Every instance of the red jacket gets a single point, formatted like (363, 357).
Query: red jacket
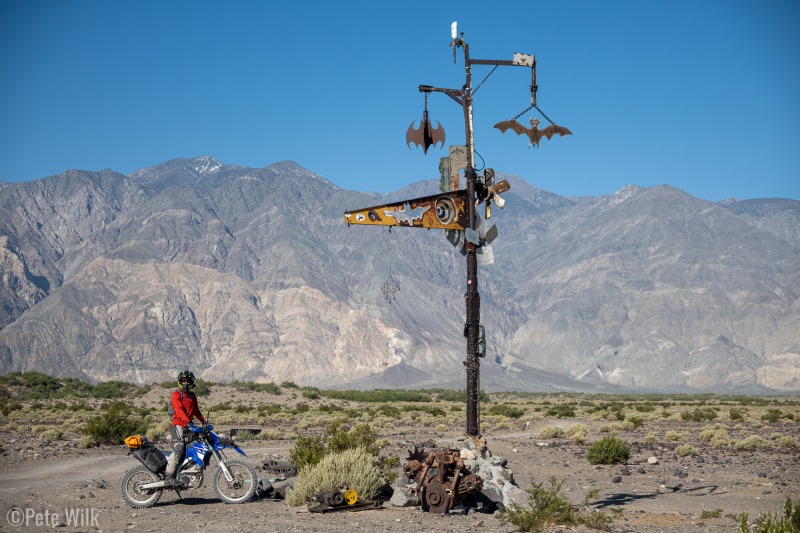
(185, 409)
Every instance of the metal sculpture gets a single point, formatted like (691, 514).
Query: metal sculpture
(533, 133)
(425, 136)
(442, 479)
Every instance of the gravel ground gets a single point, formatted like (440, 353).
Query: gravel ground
(42, 483)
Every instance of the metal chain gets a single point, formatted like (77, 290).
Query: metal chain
(537, 109)
(542, 112)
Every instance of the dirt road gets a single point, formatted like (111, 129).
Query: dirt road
(64, 489)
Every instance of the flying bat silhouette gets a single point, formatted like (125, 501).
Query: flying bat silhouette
(425, 136)
(407, 214)
(533, 133)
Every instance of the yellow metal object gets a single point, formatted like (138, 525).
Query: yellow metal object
(350, 497)
(443, 211)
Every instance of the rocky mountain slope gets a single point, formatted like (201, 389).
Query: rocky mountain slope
(243, 273)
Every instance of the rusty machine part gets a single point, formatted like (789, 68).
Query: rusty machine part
(441, 478)
(341, 499)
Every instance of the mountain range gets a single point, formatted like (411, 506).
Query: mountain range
(252, 274)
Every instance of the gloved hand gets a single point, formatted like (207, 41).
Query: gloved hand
(193, 428)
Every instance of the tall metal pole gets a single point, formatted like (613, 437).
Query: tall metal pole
(473, 298)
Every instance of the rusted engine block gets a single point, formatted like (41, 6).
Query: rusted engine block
(441, 479)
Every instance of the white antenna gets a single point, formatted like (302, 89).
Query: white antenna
(454, 30)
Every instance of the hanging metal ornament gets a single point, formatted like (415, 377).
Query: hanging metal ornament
(425, 136)
(390, 288)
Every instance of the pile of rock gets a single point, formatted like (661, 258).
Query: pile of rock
(499, 489)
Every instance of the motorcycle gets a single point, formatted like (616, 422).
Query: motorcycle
(234, 480)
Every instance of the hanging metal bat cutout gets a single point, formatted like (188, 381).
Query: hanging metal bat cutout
(425, 136)
(533, 133)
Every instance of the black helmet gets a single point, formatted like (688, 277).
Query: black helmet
(186, 375)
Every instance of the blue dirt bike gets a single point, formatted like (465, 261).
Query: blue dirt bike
(234, 480)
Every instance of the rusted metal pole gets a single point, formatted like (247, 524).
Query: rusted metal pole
(472, 297)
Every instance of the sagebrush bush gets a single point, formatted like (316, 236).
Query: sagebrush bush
(608, 450)
(578, 433)
(552, 432)
(686, 450)
(753, 442)
(674, 436)
(356, 468)
(308, 451)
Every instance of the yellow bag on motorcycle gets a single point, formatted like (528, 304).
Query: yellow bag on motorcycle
(134, 442)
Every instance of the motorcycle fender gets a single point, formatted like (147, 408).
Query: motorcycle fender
(239, 450)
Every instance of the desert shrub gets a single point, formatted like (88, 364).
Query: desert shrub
(116, 422)
(637, 421)
(608, 450)
(651, 438)
(699, 414)
(552, 432)
(312, 393)
(686, 450)
(772, 415)
(674, 436)
(561, 411)
(772, 523)
(357, 468)
(289, 385)
(49, 435)
(270, 387)
(737, 414)
(578, 433)
(715, 513)
(753, 442)
(383, 395)
(309, 451)
(269, 409)
(301, 408)
(111, 389)
(503, 409)
(388, 410)
(158, 429)
(788, 441)
(548, 505)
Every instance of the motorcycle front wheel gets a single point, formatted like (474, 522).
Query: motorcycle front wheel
(244, 483)
(136, 496)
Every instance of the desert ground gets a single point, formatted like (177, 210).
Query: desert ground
(685, 472)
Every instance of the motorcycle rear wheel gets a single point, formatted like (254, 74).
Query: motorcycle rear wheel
(137, 497)
(243, 487)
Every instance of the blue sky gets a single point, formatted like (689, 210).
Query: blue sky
(703, 95)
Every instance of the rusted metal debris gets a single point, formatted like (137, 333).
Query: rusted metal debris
(342, 499)
(442, 479)
(279, 468)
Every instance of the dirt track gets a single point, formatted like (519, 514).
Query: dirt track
(43, 480)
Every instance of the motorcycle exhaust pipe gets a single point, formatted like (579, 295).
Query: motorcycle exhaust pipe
(155, 485)
(166, 483)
